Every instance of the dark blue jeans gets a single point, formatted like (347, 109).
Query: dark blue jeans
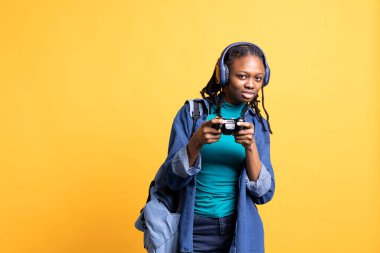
(213, 234)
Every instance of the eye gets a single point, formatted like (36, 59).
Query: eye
(242, 77)
(259, 78)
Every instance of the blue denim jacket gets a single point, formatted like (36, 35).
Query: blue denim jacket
(175, 184)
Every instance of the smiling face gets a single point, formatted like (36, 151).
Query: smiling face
(246, 77)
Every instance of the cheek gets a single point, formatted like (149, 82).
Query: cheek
(237, 84)
(230, 87)
(235, 89)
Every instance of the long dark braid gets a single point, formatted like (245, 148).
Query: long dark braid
(212, 90)
(219, 107)
(255, 105)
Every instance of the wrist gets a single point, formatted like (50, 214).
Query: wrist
(194, 146)
(250, 147)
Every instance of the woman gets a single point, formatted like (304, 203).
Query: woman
(215, 178)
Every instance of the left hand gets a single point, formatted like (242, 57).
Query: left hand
(246, 136)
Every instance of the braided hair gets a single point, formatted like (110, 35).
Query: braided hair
(213, 89)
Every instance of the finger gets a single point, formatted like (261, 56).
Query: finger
(216, 120)
(211, 136)
(244, 137)
(212, 140)
(239, 138)
(207, 129)
(244, 141)
(245, 124)
(211, 130)
(249, 131)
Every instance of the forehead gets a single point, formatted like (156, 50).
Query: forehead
(248, 63)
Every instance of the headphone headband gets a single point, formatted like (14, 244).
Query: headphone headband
(222, 71)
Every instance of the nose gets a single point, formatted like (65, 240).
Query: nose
(249, 84)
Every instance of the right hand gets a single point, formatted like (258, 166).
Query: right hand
(206, 134)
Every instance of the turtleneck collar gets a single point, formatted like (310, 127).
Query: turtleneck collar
(232, 107)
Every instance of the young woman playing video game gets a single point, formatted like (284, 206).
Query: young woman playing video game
(223, 156)
(219, 168)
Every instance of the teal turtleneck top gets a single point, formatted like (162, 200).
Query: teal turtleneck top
(216, 185)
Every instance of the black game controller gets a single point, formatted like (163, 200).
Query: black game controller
(229, 126)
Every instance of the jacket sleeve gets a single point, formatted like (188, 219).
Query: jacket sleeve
(263, 183)
(175, 172)
(263, 189)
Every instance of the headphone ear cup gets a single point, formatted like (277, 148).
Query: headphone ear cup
(267, 75)
(217, 73)
(222, 73)
(227, 74)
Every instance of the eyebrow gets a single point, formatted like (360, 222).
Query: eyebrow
(242, 71)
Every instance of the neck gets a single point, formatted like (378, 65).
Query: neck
(228, 99)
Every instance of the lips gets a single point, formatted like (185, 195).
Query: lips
(248, 94)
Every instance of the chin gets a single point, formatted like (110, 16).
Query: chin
(246, 100)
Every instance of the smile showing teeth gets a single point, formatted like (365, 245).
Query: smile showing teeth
(247, 95)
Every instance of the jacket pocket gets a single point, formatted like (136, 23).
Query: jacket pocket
(161, 235)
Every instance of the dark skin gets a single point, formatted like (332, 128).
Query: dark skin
(245, 81)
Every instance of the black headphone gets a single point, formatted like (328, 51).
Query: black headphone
(221, 69)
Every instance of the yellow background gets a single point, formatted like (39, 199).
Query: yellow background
(89, 89)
